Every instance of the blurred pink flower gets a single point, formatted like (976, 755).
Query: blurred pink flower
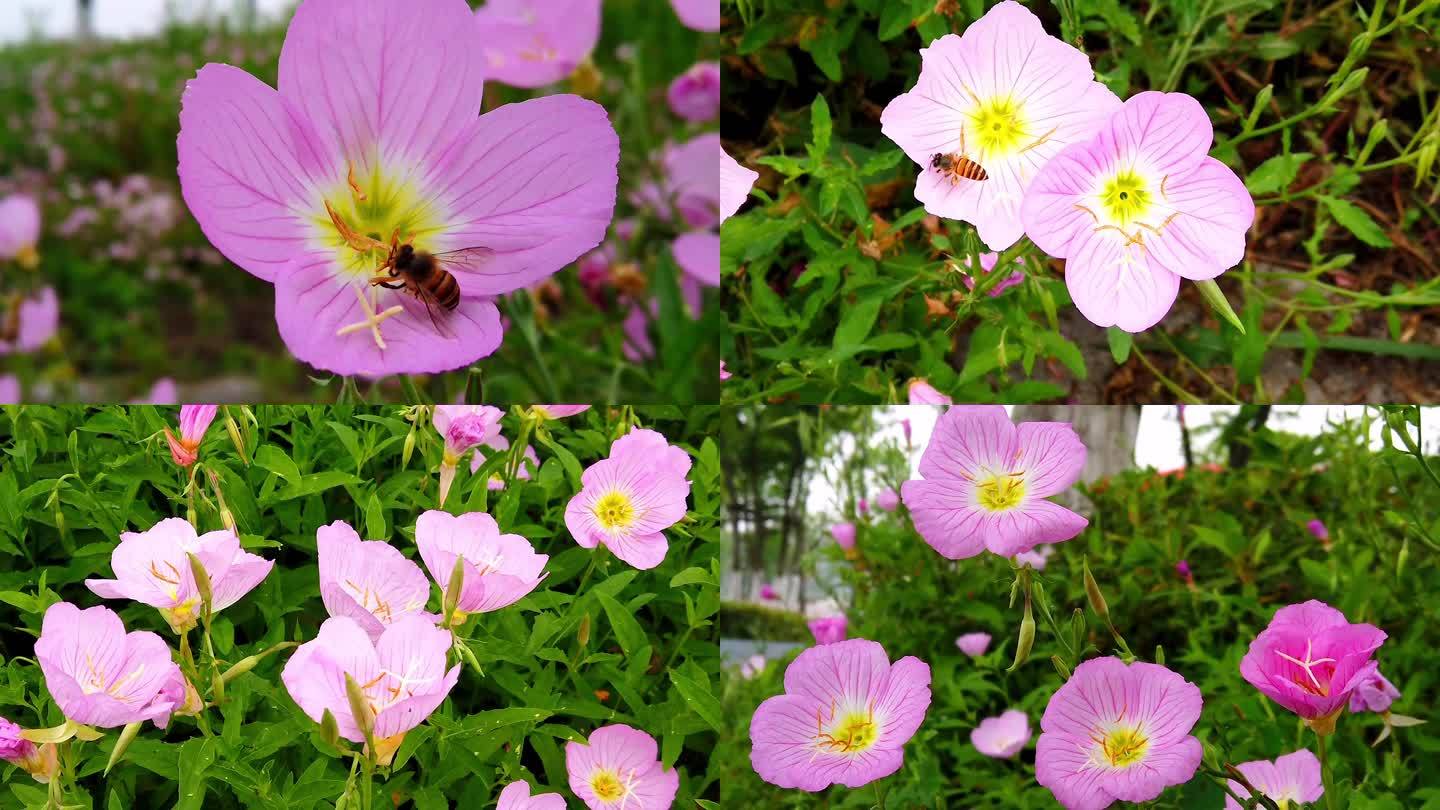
(862, 506)
(194, 421)
(1137, 208)
(987, 480)
(735, 184)
(402, 677)
(626, 501)
(1374, 694)
(905, 425)
(153, 567)
(19, 229)
(887, 499)
(1035, 558)
(1006, 95)
(10, 390)
(36, 320)
(695, 94)
(500, 569)
(619, 767)
(1002, 737)
(1317, 529)
(987, 263)
(516, 796)
(701, 15)
(752, 667)
(371, 581)
(724, 375)
(973, 644)
(923, 393)
(100, 675)
(532, 43)
(78, 220)
(767, 592)
(1118, 733)
(40, 761)
(466, 426)
(828, 629)
(163, 392)
(1310, 659)
(1291, 779)
(386, 134)
(844, 534)
(557, 411)
(844, 717)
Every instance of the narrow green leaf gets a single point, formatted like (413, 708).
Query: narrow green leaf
(1216, 299)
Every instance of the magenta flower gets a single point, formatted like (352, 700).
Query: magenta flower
(887, 500)
(620, 768)
(1316, 527)
(724, 375)
(402, 676)
(844, 718)
(466, 426)
(986, 481)
(862, 506)
(695, 94)
(752, 667)
(735, 184)
(1374, 694)
(163, 392)
(1117, 733)
(98, 674)
(41, 762)
(767, 592)
(701, 15)
(10, 390)
(828, 629)
(923, 393)
(987, 263)
(20, 230)
(1002, 737)
(532, 43)
(516, 796)
(500, 444)
(1294, 778)
(194, 421)
(36, 319)
(1310, 659)
(627, 500)
(153, 568)
(844, 534)
(370, 136)
(905, 425)
(1137, 208)
(500, 569)
(557, 411)
(1005, 95)
(973, 644)
(368, 581)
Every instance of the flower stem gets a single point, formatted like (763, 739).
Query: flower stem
(1325, 776)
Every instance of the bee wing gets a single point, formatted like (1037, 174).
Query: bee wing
(471, 259)
(437, 314)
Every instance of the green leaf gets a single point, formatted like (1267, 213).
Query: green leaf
(697, 696)
(627, 631)
(859, 319)
(1120, 343)
(196, 756)
(1213, 296)
(1355, 220)
(820, 128)
(1275, 174)
(690, 576)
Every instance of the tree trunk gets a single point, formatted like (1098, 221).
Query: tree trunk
(84, 20)
(1107, 431)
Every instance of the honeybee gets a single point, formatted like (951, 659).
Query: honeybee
(957, 167)
(10, 325)
(424, 276)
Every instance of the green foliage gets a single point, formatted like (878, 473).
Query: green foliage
(598, 642)
(746, 620)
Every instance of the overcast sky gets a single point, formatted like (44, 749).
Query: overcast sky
(113, 18)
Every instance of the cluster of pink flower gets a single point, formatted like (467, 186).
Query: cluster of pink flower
(380, 638)
(1116, 730)
(29, 317)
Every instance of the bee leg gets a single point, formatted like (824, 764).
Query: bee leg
(384, 281)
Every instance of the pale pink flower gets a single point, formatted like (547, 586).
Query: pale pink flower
(695, 94)
(368, 581)
(619, 767)
(19, 229)
(153, 568)
(1006, 95)
(37, 318)
(163, 392)
(100, 675)
(724, 375)
(1310, 659)
(887, 499)
(987, 480)
(923, 393)
(1374, 694)
(194, 421)
(973, 644)
(1035, 558)
(516, 796)
(844, 534)
(752, 667)
(532, 43)
(862, 506)
(500, 569)
(701, 15)
(735, 184)
(1137, 208)
(828, 629)
(463, 427)
(1002, 737)
(1294, 778)
(844, 718)
(10, 393)
(627, 500)
(40, 761)
(557, 411)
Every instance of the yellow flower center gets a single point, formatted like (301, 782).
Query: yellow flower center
(377, 206)
(614, 510)
(183, 616)
(1000, 492)
(855, 732)
(997, 127)
(27, 257)
(1124, 746)
(606, 785)
(1126, 198)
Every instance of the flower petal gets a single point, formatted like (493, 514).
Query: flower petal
(1160, 133)
(1051, 456)
(1113, 285)
(532, 43)
(1036, 521)
(944, 514)
(698, 254)
(1049, 212)
(1212, 212)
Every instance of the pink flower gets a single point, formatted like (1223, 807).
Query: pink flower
(153, 568)
(532, 43)
(887, 500)
(10, 390)
(1137, 208)
(1310, 659)
(368, 581)
(163, 392)
(627, 500)
(862, 506)
(98, 674)
(500, 444)
(844, 718)
(402, 676)
(973, 644)
(905, 425)
(1374, 694)
(844, 534)
(37, 319)
(724, 375)
(385, 133)
(19, 229)
(752, 667)
(987, 263)
(466, 426)
(1002, 737)
(1316, 527)
(1118, 733)
(41, 762)
(516, 796)
(500, 569)
(735, 184)
(695, 94)
(557, 411)
(1036, 558)
(701, 15)
(194, 421)
(986, 481)
(1007, 96)
(923, 393)
(1294, 778)
(767, 592)
(828, 629)
(620, 768)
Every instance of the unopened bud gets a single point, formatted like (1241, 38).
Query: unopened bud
(236, 437)
(1092, 592)
(447, 477)
(360, 707)
(202, 582)
(583, 636)
(453, 589)
(127, 736)
(1060, 667)
(1025, 641)
(329, 729)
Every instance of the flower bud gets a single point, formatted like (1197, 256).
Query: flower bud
(1092, 592)
(329, 729)
(447, 476)
(1026, 640)
(360, 707)
(583, 636)
(127, 736)
(453, 589)
(202, 583)
(408, 449)
(1060, 667)
(236, 437)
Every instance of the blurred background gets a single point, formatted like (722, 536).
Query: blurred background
(122, 297)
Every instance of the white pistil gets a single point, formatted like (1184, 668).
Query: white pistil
(372, 320)
(1308, 663)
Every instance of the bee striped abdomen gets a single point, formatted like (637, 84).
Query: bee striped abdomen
(970, 170)
(445, 289)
